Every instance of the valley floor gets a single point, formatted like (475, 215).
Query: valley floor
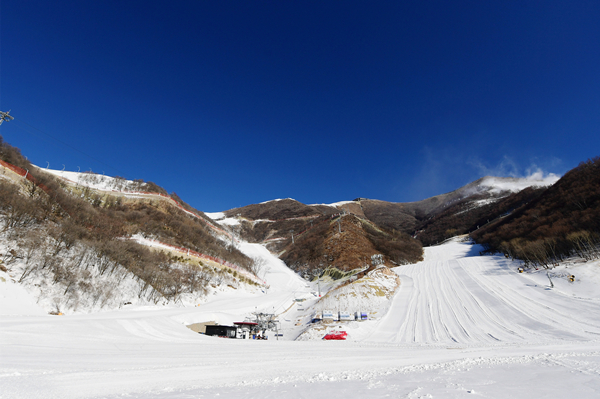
(460, 325)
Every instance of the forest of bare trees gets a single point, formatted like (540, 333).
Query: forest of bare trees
(348, 245)
(467, 215)
(71, 238)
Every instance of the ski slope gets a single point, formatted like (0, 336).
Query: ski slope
(460, 325)
(459, 297)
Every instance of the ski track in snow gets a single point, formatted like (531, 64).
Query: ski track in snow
(459, 325)
(481, 300)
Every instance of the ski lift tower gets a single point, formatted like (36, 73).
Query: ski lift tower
(267, 321)
(4, 116)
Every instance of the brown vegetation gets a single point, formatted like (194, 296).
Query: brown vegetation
(465, 216)
(392, 216)
(348, 245)
(280, 209)
(96, 223)
(563, 221)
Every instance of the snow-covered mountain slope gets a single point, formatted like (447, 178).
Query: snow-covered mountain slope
(97, 182)
(460, 324)
(92, 244)
(459, 297)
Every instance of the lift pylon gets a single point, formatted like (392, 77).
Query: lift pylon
(4, 116)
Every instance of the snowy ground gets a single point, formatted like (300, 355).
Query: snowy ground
(460, 325)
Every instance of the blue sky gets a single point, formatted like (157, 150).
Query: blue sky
(229, 103)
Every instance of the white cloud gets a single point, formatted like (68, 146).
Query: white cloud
(536, 174)
(508, 167)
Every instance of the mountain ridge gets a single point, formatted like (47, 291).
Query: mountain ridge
(310, 239)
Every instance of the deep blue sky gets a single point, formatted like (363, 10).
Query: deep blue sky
(229, 103)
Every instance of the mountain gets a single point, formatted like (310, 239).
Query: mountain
(68, 231)
(561, 221)
(312, 238)
(84, 242)
(345, 235)
(411, 217)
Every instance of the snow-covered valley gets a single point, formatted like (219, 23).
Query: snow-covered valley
(460, 324)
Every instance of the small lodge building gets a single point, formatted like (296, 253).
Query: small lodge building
(222, 331)
(240, 329)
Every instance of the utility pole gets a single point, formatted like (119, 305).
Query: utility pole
(4, 116)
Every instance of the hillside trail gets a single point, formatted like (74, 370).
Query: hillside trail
(283, 287)
(456, 297)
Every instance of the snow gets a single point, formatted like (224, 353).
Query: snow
(215, 215)
(37, 288)
(480, 203)
(98, 182)
(459, 325)
(585, 286)
(15, 300)
(336, 204)
(229, 222)
(277, 199)
(128, 188)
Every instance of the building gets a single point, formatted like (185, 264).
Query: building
(222, 331)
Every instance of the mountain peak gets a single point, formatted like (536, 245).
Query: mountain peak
(497, 185)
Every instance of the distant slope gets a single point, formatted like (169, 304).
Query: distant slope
(471, 213)
(311, 238)
(563, 220)
(374, 226)
(152, 214)
(280, 209)
(409, 217)
(347, 242)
